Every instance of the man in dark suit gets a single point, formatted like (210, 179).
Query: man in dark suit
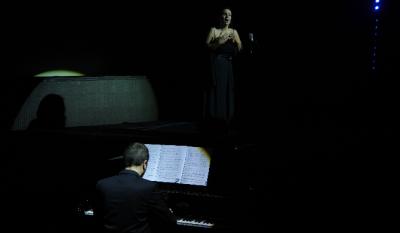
(128, 203)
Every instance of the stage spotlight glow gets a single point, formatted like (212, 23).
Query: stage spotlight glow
(54, 73)
(376, 8)
(377, 5)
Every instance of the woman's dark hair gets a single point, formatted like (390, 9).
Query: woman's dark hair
(219, 14)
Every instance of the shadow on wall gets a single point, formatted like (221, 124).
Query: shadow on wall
(90, 101)
(50, 113)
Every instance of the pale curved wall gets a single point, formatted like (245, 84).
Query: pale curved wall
(94, 100)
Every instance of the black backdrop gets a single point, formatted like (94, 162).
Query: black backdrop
(310, 87)
(309, 51)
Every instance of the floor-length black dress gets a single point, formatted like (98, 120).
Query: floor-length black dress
(220, 98)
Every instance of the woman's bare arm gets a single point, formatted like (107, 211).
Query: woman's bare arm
(237, 40)
(214, 42)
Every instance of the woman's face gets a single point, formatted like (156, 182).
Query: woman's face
(226, 17)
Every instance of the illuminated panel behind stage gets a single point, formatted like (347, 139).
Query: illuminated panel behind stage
(91, 101)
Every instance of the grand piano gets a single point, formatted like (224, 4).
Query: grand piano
(85, 154)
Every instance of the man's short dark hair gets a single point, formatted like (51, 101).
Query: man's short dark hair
(135, 154)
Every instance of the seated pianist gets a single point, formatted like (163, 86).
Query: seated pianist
(160, 187)
(128, 203)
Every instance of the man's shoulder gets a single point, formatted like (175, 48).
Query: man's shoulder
(105, 181)
(148, 183)
(117, 180)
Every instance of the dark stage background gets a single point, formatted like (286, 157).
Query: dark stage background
(309, 52)
(308, 101)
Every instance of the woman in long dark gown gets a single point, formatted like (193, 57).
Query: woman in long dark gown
(224, 42)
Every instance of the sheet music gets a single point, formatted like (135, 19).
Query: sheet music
(171, 163)
(197, 166)
(177, 164)
(154, 157)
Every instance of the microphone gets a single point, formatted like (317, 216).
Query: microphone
(251, 39)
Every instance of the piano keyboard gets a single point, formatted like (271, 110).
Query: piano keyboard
(180, 221)
(194, 223)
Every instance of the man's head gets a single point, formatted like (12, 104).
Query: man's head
(136, 157)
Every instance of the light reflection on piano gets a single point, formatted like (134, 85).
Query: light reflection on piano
(194, 223)
(185, 221)
(195, 206)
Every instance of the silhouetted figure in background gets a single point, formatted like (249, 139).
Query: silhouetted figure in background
(50, 113)
(224, 43)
